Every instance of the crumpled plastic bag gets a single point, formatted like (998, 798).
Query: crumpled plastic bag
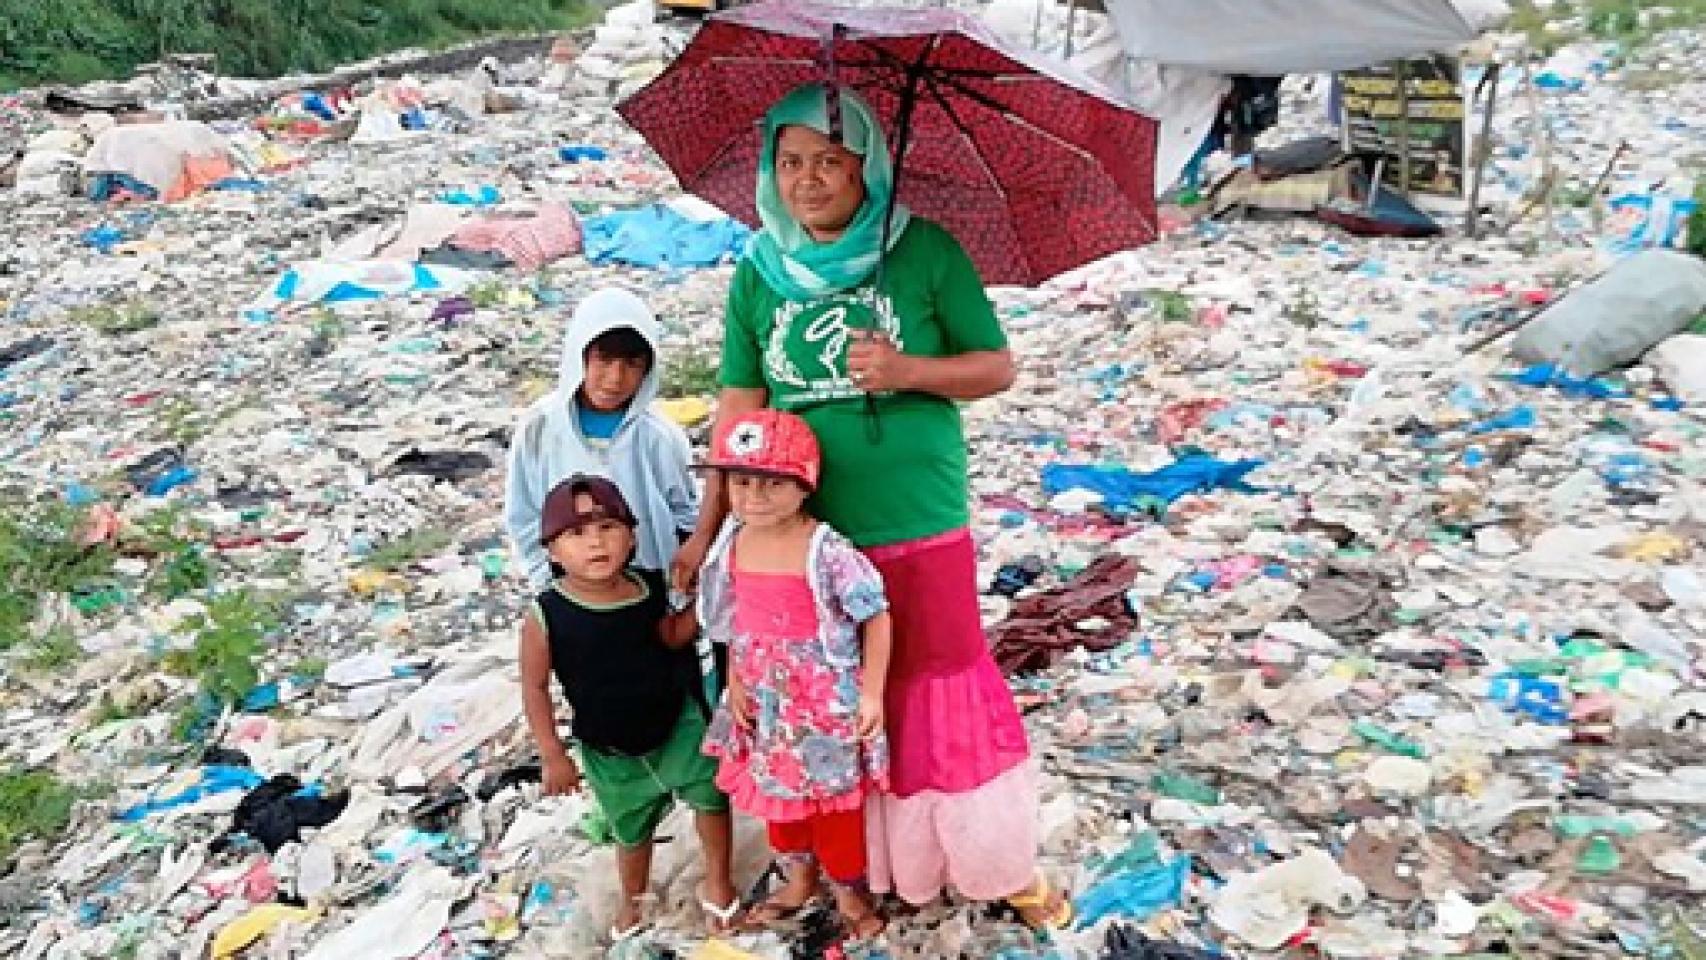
(1652, 295)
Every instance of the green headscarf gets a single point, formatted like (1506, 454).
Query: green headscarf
(791, 262)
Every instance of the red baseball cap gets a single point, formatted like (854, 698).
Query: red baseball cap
(770, 442)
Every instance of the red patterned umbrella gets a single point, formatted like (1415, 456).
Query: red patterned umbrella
(1034, 169)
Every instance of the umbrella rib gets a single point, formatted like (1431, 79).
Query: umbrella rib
(976, 152)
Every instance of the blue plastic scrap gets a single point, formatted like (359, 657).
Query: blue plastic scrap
(215, 778)
(486, 196)
(1551, 375)
(1135, 895)
(1121, 488)
(1518, 418)
(576, 154)
(657, 236)
(103, 238)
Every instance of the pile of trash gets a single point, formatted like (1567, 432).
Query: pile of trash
(1332, 633)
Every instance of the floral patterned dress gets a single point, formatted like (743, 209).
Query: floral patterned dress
(794, 644)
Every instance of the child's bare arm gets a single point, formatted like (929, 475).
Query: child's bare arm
(560, 772)
(879, 638)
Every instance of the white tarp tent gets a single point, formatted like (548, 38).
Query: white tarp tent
(1272, 37)
(1171, 59)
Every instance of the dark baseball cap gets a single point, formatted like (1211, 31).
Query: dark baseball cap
(560, 513)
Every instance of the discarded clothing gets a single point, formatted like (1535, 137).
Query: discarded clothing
(658, 236)
(331, 282)
(275, 812)
(1043, 628)
(1129, 943)
(454, 466)
(1121, 488)
(1348, 604)
(530, 243)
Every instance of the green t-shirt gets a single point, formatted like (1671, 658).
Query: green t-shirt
(910, 480)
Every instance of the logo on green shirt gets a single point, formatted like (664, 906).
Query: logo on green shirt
(807, 349)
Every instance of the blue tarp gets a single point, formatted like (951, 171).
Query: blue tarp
(1121, 488)
(657, 236)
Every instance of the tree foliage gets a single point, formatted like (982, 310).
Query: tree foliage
(75, 41)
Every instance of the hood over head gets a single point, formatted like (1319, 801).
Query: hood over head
(605, 309)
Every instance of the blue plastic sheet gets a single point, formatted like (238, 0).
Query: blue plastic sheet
(1550, 375)
(1519, 418)
(656, 236)
(214, 779)
(1121, 488)
(1135, 895)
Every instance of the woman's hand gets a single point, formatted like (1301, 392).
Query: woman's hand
(875, 366)
(870, 722)
(740, 703)
(559, 775)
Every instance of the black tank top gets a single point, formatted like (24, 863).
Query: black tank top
(627, 689)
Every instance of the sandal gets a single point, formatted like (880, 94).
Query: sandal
(619, 934)
(723, 916)
(770, 913)
(1062, 916)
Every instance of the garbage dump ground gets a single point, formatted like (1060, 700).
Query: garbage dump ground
(1333, 635)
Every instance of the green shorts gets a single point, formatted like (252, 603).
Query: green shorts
(636, 792)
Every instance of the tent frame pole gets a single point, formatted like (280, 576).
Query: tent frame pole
(1483, 152)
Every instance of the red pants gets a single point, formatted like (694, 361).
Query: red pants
(836, 840)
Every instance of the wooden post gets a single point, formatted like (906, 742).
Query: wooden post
(1483, 151)
(1402, 70)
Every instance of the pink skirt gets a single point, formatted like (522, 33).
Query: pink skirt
(963, 803)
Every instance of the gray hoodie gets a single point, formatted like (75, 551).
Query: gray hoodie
(648, 457)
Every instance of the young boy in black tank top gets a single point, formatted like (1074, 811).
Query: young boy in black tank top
(629, 671)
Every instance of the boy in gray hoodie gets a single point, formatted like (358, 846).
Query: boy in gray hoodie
(599, 421)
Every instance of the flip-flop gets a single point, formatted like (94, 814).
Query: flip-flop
(618, 934)
(724, 916)
(1062, 916)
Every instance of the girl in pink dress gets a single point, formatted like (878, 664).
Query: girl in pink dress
(800, 734)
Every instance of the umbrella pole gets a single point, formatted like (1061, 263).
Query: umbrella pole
(903, 135)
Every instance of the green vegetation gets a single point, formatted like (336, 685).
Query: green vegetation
(1629, 22)
(394, 555)
(41, 550)
(227, 643)
(115, 319)
(34, 805)
(54, 651)
(1697, 219)
(75, 41)
(689, 373)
